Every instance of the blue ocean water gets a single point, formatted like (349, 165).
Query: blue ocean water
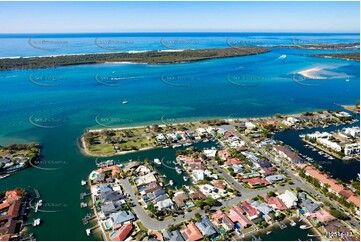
(53, 106)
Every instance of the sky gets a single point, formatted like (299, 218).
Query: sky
(97, 17)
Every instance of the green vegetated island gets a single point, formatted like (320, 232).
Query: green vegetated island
(150, 57)
(347, 56)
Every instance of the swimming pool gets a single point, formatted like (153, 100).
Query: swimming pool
(238, 226)
(112, 234)
(142, 188)
(107, 225)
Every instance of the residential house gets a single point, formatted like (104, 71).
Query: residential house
(289, 199)
(191, 233)
(172, 235)
(206, 227)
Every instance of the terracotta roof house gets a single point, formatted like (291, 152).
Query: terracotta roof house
(123, 232)
(13, 211)
(252, 212)
(224, 154)
(191, 233)
(256, 181)
(346, 193)
(238, 217)
(234, 161)
(324, 179)
(219, 184)
(355, 200)
(276, 203)
(221, 219)
(322, 216)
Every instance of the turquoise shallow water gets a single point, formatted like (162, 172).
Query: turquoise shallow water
(54, 106)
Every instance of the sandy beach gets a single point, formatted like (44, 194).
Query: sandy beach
(311, 73)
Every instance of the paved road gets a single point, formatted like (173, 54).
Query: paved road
(296, 179)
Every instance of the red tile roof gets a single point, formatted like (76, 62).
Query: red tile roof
(236, 216)
(324, 179)
(355, 200)
(276, 203)
(192, 232)
(123, 232)
(254, 181)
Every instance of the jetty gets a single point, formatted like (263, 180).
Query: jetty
(37, 194)
(88, 231)
(84, 194)
(87, 218)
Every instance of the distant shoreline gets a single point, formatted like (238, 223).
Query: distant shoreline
(148, 57)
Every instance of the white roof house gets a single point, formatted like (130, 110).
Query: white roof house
(210, 153)
(250, 125)
(198, 175)
(289, 199)
(166, 203)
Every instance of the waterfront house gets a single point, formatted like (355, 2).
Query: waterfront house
(179, 198)
(289, 199)
(211, 191)
(322, 216)
(123, 232)
(206, 227)
(219, 184)
(111, 196)
(250, 125)
(111, 207)
(264, 209)
(156, 193)
(355, 200)
(172, 235)
(118, 218)
(142, 170)
(275, 203)
(165, 204)
(351, 149)
(236, 215)
(308, 205)
(288, 154)
(197, 175)
(251, 212)
(151, 187)
(191, 233)
(221, 219)
(323, 179)
(145, 179)
(335, 228)
(12, 212)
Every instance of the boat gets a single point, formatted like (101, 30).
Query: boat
(165, 147)
(304, 227)
(83, 205)
(178, 170)
(4, 176)
(293, 223)
(187, 144)
(206, 140)
(268, 232)
(174, 162)
(171, 182)
(83, 182)
(157, 161)
(125, 102)
(36, 222)
(176, 146)
(38, 204)
(185, 178)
